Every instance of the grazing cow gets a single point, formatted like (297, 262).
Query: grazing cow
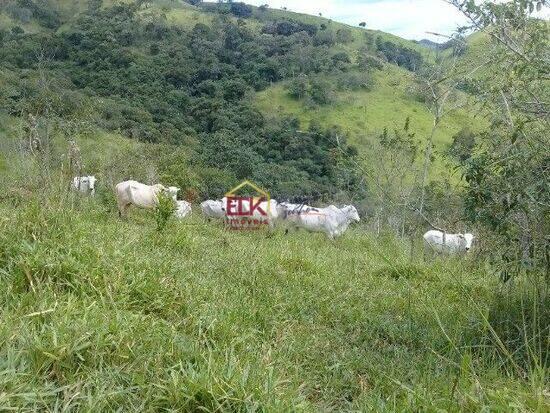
(448, 243)
(183, 208)
(84, 184)
(137, 194)
(290, 213)
(172, 192)
(331, 220)
(213, 209)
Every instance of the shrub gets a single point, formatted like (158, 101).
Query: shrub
(16, 30)
(344, 36)
(164, 210)
(354, 81)
(368, 61)
(241, 10)
(321, 92)
(340, 60)
(325, 37)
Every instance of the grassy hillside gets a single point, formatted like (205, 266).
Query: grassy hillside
(101, 315)
(363, 114)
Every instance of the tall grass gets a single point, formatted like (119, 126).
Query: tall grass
(100, 314)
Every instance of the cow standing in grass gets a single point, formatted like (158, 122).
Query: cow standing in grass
(183, 208)
(440, 241)
(213, 209)
(333, 221)
(135, 193)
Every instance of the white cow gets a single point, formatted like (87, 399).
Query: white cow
(333, 221)
(448, 243)
(137, 194)
(172, 192)
(213, 209)
(183, 208)
(84, 184)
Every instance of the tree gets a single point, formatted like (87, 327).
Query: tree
(241, 10)
(298, 87)
(400, 55)
(509, 174)
(321, 92)
(363, 24)
(463, 145)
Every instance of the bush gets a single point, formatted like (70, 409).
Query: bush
(368, 61)
(340, 60)
(325, 37)
(354, 81)
(164, 211)
(321, 92)
(344, 36)
(16, 30)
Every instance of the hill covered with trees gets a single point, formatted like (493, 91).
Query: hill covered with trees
(188, 75)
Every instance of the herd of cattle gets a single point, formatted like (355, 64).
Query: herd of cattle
(331, 220)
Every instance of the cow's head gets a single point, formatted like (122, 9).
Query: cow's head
(351, 213)
(172, 192)
(467, 240)
(85, 183)
(91, 183)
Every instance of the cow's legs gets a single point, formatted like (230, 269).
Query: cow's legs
(123, 211)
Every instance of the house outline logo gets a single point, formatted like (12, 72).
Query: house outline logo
(241, 219)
